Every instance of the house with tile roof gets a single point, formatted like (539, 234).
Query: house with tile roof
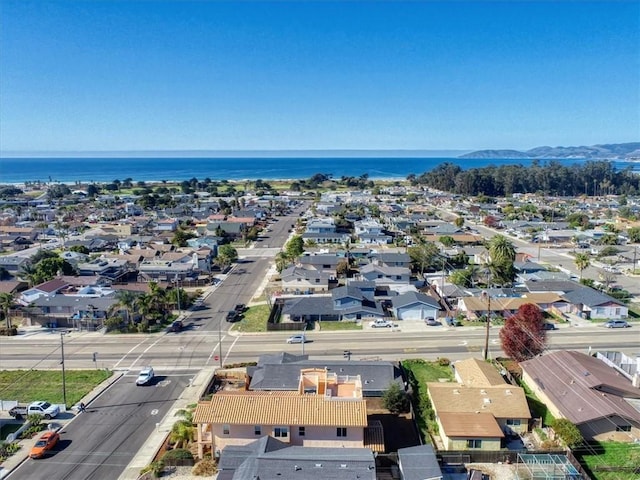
(326, 410)
(594, 396)
(479, 409)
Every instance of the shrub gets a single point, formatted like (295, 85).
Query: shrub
(177, 454)
(8, 332)
(204, 468)
(154, 468)
(567, 432)
(444, 362)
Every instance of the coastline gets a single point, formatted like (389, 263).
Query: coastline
(87, 170)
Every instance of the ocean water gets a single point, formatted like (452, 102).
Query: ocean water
(71, 170)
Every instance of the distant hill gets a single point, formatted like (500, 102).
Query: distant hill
(595, 152)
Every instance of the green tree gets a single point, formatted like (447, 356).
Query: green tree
(634, 234)
(395, 399)
(582, 261)
(182, 433)
(295, 246)
(447, 240)
(423, 256)
(503, 255)
(462, 278)
(127, 301)
(79, 249)
(227, 255)
(6, 303)
(459, 222)
(568, 432)
(181, 236)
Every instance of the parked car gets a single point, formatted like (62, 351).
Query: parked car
(548, 326)
(617, 324)
(432, 322)
(299, 338)
(381, 323)
(145, 376)
(232, 316)
(44, 444)
(240, 308)
(176, 326)
(44, 409)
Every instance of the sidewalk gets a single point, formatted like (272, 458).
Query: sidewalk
(58, 423)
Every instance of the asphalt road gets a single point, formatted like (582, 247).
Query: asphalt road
(100, 443)
(194, 350)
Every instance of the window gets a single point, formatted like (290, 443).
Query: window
(341, 432)
(623, 428)
(474, 443)
(514, 422)
(301, 431)
(257, 430)
(281, 432)
(225, 429)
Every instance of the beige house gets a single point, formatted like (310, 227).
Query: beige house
(466, 431)
(479, 409)
(327, 410)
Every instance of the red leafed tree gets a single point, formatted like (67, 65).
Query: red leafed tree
(523, 336)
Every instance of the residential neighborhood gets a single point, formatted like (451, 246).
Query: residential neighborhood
(411, 259)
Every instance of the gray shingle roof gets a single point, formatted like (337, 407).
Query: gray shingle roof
(375, 376)
(418, 463)
(409, 298)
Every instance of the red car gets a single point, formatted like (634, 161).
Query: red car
(45, 443)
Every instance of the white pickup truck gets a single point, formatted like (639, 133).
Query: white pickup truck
(44, 409)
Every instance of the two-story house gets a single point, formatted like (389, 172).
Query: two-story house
(327, 410)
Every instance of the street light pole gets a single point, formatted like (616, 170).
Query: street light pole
(64, 379)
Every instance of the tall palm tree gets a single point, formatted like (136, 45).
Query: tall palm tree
(6, 302)
(127, 301)
(582, 261)
(501, 250)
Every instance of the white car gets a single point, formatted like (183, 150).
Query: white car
(145, 376)
(380, 323)
(300, 338)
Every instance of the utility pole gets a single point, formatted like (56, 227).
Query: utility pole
(220, 341)
(486, 296)
(64, 378)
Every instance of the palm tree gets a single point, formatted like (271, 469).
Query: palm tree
(181, 433)
(127, 301)
(6, 302)
(582, 261)
(501, 250)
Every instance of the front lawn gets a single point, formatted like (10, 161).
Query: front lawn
(27, 386)
(253, 320)
(339, 326)
(610, 460)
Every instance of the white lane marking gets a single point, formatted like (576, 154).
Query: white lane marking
(229, 350)
(127, 354)
(154, 411)
(145, 351)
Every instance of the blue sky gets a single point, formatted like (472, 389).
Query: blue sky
(169, 75)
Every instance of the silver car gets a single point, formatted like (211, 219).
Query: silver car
(617, 324)
(297, 339)
(145, 376)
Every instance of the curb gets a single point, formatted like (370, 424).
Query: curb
(87, 399)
